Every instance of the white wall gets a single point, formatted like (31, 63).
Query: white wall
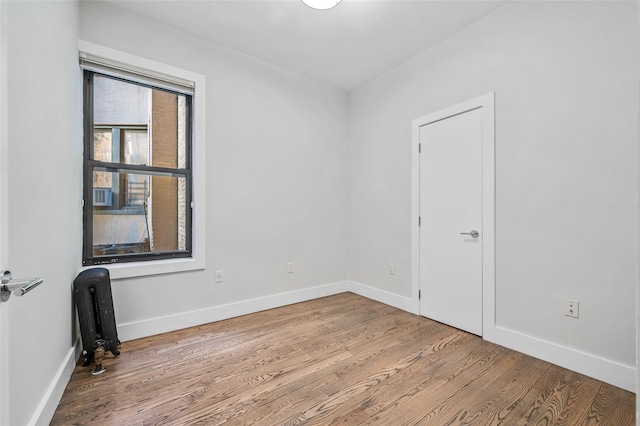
(638, 235)
(276, 167)
(44, 191)
(565, 78)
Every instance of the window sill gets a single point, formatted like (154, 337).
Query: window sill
(119, 271)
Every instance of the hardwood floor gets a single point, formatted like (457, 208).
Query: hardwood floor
(339, 360)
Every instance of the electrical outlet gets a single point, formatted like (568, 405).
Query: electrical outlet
(219, 276)
(392, 268)
(571, 308)
(290, 268)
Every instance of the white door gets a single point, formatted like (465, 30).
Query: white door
(451, 225)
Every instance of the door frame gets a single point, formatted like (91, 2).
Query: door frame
(487, 104)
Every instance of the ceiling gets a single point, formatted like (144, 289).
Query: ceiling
(344, 47)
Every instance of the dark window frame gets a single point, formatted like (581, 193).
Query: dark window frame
(90, 165)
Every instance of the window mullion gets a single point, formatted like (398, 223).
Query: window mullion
(138, 169)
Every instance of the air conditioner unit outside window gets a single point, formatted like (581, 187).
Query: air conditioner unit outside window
(102, 197)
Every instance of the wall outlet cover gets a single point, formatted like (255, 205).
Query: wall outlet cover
(571, 308)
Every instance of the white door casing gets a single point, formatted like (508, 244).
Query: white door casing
(459, 255)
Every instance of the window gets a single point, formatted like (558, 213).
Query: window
(131, 139)
(138, 178)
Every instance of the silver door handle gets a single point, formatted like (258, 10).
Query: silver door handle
(17, 286)
(473, 233)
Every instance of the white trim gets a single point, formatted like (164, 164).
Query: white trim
(415, 215)
(153, 326)
(623, 376)
(49, 402)
(118, 69)
(152, 267)
(401, 302)
(488, 218)
(487, 103)
(137, 269)
(138, 62)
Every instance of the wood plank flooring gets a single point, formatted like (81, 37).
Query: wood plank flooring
(339, 360)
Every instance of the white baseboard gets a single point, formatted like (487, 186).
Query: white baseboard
(153, 326)
(49, 402)
(382, 296)
(623, 376)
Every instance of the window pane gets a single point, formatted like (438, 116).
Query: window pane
(121, 145)
(117, 102)
(138, 214)
(124, 116)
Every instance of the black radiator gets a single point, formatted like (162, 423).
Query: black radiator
(92, 291)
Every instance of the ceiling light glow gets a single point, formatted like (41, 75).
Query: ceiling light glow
(321, 4)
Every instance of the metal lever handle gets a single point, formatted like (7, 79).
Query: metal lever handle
(473, 233)
(22, 286)
(19, 286)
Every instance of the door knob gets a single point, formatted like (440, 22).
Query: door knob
(473, 233)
